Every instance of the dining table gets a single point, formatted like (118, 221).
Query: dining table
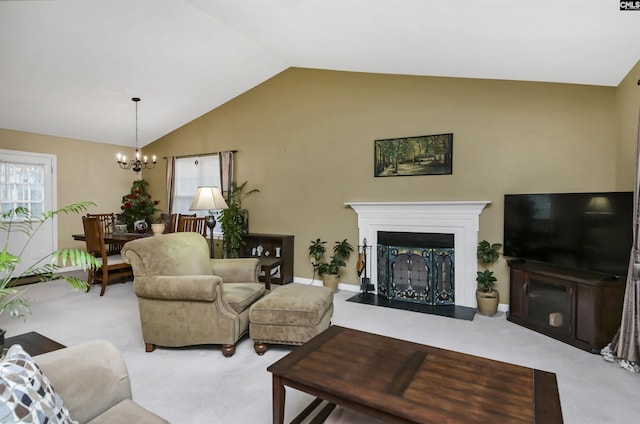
(116, 238)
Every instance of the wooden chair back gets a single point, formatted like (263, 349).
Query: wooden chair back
(94, 239)
(94, 236)
(194, 225)
(179, 221)
(108, 223)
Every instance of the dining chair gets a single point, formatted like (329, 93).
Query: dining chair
(194, 225)
(108, 223)
(111, 266)
(170, 222)
(179, 221)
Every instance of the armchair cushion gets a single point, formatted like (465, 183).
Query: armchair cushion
(242, 295)
(127, 411)
(187, 287)
(239, 270)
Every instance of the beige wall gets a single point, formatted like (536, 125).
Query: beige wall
(628, 113)
(305, 140)
(86, 171)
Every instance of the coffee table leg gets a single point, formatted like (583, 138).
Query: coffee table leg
(278, 400)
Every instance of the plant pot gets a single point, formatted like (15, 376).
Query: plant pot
(140, 226)
(157, 229)
(487, 302)
(331, 280)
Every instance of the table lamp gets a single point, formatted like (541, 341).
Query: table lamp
(209, 198)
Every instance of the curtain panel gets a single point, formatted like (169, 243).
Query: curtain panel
(624, 349)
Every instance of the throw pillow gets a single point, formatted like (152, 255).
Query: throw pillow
(26, 395)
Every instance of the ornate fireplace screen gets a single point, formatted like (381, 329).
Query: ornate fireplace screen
(423, 275)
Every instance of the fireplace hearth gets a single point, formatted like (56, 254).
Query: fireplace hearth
(449, 311)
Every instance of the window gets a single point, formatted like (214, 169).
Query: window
(22, 185)
(191, 173)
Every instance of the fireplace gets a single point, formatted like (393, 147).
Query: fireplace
(458, 219)
(416, 267)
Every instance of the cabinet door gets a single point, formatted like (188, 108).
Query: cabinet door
(516, 294)
(549, 303)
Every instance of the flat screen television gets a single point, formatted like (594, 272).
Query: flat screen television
(585, 231)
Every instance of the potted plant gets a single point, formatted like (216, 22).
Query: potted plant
(232, 220)
(329, 270)
(486, 295)
(157, 225)
(19, 220)
(138, 208)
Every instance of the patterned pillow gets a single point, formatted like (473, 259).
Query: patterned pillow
(26, 395)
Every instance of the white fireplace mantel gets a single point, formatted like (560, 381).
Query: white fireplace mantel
(460, 218)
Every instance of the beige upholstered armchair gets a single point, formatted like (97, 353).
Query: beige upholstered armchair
(187, 299)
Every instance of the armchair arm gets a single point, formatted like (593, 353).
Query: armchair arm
(90, 377)
(241, 270)
(173, 287)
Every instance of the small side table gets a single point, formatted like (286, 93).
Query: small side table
(33, 343)
(267, 264)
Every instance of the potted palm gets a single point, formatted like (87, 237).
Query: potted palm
(486, 295)
(19, 220)
(329, 270)
(233, 220)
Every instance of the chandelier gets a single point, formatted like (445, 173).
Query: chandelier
(138, 163)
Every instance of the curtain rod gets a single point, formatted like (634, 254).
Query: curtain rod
(199, 155)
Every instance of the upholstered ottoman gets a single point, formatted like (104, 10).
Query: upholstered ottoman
(291, 314)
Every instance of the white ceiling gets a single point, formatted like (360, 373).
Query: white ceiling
(70, 67)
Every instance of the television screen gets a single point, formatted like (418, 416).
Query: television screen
(588, 231)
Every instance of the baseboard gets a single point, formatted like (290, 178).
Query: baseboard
(502, 307)
(315, 282)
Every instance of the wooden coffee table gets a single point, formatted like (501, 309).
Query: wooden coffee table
(33, 343)
(404, 382)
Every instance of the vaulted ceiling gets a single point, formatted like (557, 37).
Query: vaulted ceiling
(70, 67)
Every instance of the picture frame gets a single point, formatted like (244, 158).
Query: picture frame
(409, 156)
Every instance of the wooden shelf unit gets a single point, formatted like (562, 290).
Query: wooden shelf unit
(576, 307)
(270, 242)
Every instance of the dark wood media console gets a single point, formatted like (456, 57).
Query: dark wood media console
(575, 307)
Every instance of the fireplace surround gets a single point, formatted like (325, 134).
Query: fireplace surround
(460, 218)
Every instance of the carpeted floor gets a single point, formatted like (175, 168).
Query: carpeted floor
(198, 385)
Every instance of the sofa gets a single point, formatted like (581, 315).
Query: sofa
(185, 298)
(85, 383)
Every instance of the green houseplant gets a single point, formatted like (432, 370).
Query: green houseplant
(486, 295)
(329, 269)
(47, 268)
(232, 219)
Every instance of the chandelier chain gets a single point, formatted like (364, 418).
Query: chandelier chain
(138, 163)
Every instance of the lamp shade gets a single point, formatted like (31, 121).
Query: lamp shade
(208, 198)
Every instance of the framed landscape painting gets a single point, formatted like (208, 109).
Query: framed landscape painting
(421, 155)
